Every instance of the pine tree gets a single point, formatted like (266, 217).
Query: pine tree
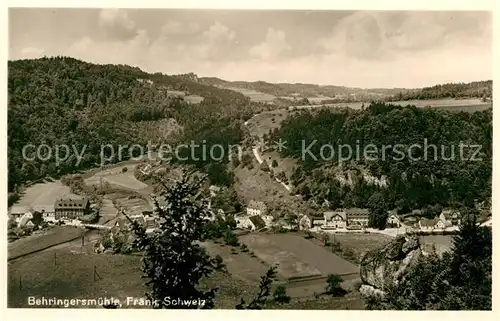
(173, 262)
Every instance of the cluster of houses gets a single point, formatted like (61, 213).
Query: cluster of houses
(350, 218)
(146, 220)
(255, 218)
(64, 209)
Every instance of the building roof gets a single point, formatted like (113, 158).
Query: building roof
(357, 211)
(395, 215)
(450, 214)
(71, 203)
(257, 221)
(19, 209)
(330, 214)
(44, 208)
(257, 205)
(428, 223)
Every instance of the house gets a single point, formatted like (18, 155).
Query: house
(427, 224)
(335, 219)
(256, 222)
(394, 220)
(25, 220)
(359, 216)
(256, 208)
(71, 208)
(440, 224)
(16, 212)
(309, 221)
(450, 217)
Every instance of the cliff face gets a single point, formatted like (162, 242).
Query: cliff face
(384, 268)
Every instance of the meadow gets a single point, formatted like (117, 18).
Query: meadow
(254, 95)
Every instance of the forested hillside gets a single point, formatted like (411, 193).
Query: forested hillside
(305, 90)
(413, 184)
(62, 100)
(476, 89)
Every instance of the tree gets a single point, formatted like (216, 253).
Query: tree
(378, 211)
(274, 163)
(459, 280)
(262, 296)
(37, 218)
(333, 285)
(230, 238)
(11, 224)
(173, 261)
(280, 295)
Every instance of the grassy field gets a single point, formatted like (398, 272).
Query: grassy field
(262, 123)
(66, 273)
(44, 194)
(46, 238)
(469, 105)
(241, 265)
(254, 95)
(133, 205)
(296, 256)
(358, 243)
(116, 177)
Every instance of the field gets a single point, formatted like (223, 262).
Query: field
(242, 266)
(133, 205)
(254, 95)
(43, 195)
(116, 177)
(63, 274)
(358, 243)
(39, 241)
(296, 256)
(192, 99)
(262, 123)
(469, 105)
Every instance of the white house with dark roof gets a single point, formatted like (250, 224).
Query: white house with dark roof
(335, 219)
(394, 220)
(450, 217)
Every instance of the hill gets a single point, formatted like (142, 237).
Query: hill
(64, 101)
(328, 93)
(476, 89)
(331, 147)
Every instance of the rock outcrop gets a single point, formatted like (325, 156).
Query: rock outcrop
(383, 268)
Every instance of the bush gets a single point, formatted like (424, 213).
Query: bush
(280, 295)
(333, 285)
(125, 169)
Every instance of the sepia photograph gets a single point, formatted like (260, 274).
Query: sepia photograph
(249, 159)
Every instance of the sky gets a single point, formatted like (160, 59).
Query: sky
(369, 49)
